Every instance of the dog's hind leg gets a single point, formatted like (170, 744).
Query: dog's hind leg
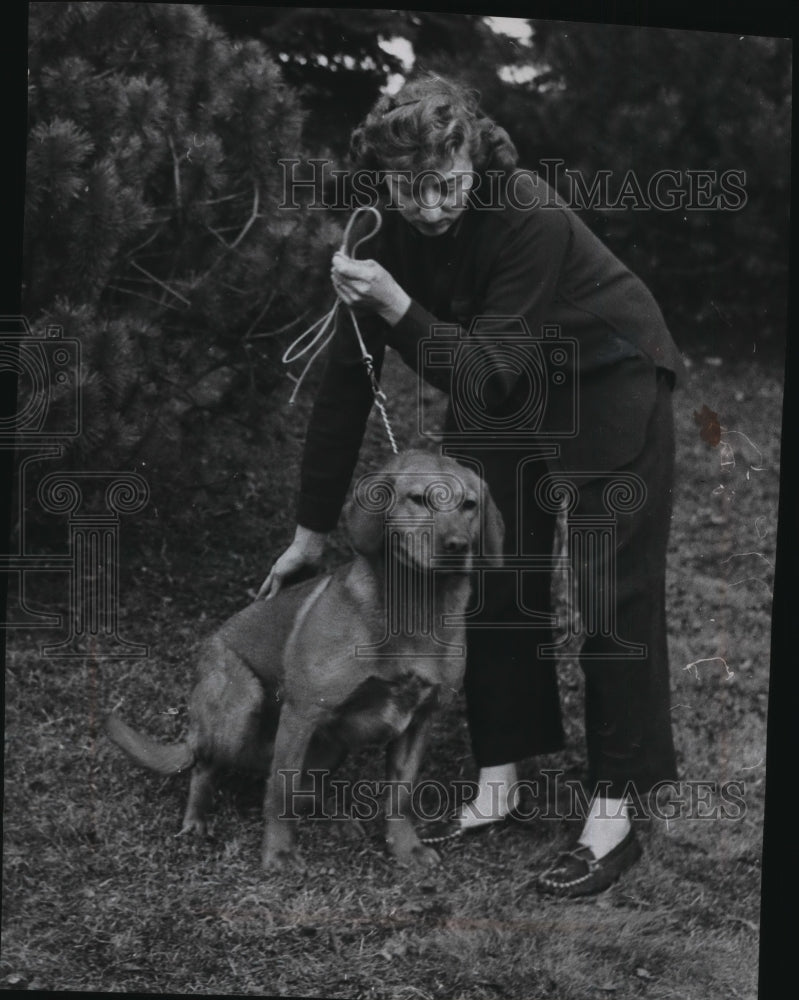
(234, 718)
(233, 725)
(201, 794)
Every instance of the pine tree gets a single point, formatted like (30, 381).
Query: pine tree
(152, 228)
(334, 58)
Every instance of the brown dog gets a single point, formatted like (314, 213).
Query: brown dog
(362, 655)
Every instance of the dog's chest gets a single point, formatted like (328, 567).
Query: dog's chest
(378, 710)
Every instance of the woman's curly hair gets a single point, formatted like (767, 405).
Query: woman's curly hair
(423, 124)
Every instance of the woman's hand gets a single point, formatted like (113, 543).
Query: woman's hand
(367, 284)
(305, 550)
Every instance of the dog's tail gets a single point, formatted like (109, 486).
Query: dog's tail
(166, 759)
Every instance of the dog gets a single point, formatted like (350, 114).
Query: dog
(365, 654)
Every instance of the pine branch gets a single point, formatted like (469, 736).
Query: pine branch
(218, 201)
(270, 299)
(149, 239)
(176, 173)
(247, 226)
(163, 284)
(141, 295)
(253, 216)
(229, 246)
(233, 288)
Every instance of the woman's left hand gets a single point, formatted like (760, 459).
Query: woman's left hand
(367, 284)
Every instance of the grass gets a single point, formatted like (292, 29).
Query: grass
(99, 895)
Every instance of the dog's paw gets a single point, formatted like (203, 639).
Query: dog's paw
(193, 827)
(423, 856)
(416, 855)
(282, 859)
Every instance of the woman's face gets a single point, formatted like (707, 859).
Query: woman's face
(432, 201)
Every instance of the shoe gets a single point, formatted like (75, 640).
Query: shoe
(450, 828)
(579, 873)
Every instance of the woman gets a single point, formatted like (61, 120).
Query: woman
(467, 236)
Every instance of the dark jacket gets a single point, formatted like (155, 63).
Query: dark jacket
(581, 376)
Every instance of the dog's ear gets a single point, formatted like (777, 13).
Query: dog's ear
(493, 527)
(365, 513)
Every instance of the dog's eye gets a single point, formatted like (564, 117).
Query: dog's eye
(469, 504)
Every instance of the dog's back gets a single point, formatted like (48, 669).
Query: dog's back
(259, 633)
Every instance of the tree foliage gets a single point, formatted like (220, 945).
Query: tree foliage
(334, 58)
(644, 100)
(152, 228)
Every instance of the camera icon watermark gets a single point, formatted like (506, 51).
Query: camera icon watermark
(505, 383)
(514, 405)
(47, 370)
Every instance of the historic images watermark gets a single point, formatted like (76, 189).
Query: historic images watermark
(318, 184)
(551, 796)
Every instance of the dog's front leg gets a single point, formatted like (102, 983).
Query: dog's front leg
(294, 734)
(403, 758)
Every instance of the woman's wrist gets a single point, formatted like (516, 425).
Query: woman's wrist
(395, 308)
(313, 542)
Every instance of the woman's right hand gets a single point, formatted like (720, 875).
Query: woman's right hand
(305, 551)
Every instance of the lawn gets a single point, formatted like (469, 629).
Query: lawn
(99, 894)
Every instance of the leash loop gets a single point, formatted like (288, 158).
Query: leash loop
(378, 222)
(319, 334)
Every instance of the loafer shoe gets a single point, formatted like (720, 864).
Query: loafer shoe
(578, 873)
(450, 828)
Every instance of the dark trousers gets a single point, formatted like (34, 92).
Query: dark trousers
(512, 693)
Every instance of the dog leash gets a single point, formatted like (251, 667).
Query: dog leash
(319, 334)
